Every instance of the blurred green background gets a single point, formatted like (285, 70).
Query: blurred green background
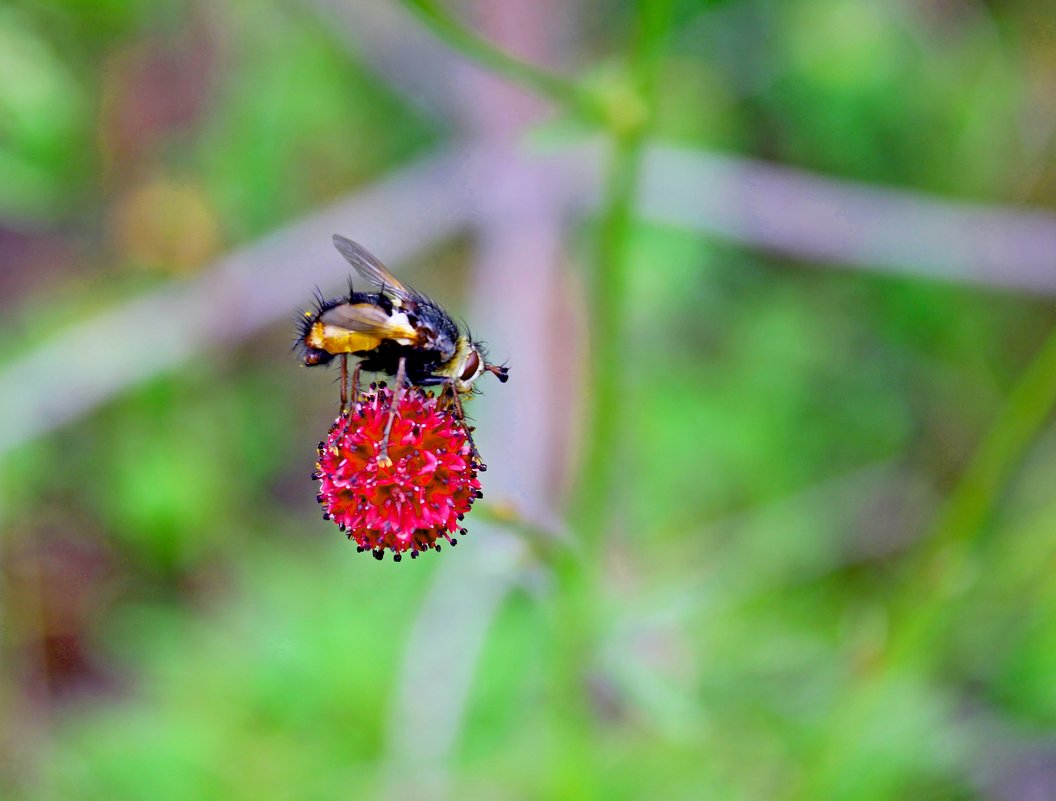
(761, 525)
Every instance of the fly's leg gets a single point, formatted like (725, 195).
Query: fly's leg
(474, 453)
(355, 383)
(344, 384)
(401, 377)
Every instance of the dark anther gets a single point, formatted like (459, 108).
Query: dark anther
(483, 468)
(453, 543)
(361, 548)
(316, 475)
(461, 516)
(326, 515)
(414, 554)
(397, 558)
(319, 497)
(463, 531)
(381, 385)
(379, 554)
(341, 526)
(478, 493)
(321, 446)
(436, 548)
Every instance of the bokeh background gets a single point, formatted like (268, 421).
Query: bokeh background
(769, 509)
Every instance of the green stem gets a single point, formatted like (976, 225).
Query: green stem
(940, 574)
(578, 608)
(580, 602)
(446, 28)
(1017, 426)
(608, 380)
(607, 365)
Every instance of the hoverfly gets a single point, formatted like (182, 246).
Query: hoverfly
(396, 331)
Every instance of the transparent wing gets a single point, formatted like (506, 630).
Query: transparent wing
(368, 265)
(366, 318)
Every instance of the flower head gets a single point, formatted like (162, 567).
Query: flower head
(416, 499)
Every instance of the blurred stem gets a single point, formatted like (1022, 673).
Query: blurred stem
(629, 116)
(607, 366)
(580, 624)
(608, 290)
(943, 572)
(476, 48)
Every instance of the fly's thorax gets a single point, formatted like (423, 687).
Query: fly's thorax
(436, 330)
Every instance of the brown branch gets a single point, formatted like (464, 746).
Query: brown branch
(407, 213)
(846, 224)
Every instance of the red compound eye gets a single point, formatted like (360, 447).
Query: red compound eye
(471, 366)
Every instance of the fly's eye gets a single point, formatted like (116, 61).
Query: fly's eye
(472, 365)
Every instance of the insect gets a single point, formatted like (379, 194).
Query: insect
(396, 331)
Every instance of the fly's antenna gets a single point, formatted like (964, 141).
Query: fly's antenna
(500, 371)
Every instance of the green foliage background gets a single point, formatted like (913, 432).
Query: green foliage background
(832, 572)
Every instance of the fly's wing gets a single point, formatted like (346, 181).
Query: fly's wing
(371, 321)
(368, 266)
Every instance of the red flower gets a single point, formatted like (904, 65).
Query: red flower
(418, 499)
